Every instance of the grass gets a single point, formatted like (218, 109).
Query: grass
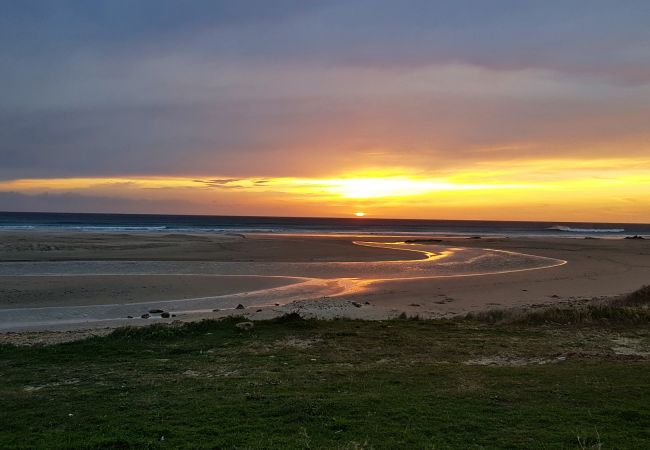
(294, 383)
(631, 309)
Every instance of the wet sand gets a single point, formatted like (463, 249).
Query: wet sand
(53, 291)
(338, 278)
(87, 246)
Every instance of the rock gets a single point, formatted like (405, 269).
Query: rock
(357, 304)
(366, 303)
(156, 311)
(129, 317)
(240, 306)
(165, 315)
(216, 310)
(145, 316)
(259, 310)
(245, 326)
(277, 304)
(636, 236)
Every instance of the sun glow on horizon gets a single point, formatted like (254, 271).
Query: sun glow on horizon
(609, 190)
(399, 186)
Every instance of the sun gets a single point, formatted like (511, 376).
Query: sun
(359, 214)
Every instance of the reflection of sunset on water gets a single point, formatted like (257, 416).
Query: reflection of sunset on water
(304, 281)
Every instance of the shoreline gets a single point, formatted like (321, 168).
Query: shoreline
(587, 268)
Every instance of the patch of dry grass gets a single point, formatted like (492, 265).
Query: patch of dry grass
(633, 308)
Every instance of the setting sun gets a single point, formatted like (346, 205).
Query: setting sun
(279, 177)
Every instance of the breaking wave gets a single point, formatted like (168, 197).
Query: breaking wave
(586, 230)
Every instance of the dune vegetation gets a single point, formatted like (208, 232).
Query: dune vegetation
(553, 378)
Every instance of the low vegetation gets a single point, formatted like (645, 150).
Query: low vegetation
(626, 310)
(544, 380)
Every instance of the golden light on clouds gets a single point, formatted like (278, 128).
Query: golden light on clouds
(609, 190)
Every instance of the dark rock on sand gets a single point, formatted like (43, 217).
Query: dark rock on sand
(636, 236)
(145, 316)
(240, 306)
(156, 311)
(165, 315)
(357, 304)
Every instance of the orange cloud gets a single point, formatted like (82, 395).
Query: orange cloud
(596, 190)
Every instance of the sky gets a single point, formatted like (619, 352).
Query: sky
(458, 109)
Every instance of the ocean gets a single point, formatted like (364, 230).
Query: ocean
(235, 224)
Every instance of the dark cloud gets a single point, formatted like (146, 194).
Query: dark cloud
(222, 183)
(293, 87)
(71, 202)
(601, 36)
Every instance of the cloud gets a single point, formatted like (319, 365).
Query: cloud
(82, 203)
(600, 37)
(251, 120)
(292, 88)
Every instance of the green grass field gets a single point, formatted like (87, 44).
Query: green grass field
(293, 383)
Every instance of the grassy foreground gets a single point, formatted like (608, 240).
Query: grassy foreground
(293, 383)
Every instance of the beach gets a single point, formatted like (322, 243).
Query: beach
(67, 280)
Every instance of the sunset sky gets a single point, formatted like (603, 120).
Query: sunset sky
(513, 110)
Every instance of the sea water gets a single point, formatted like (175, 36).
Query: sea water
(365, 225)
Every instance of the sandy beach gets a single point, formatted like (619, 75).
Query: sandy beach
(71, 281)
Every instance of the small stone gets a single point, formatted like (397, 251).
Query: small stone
(145, 316)
(357, 304)
(129, 317)
(240, 306)
(216, 310)
(366, 303)
(165, 315)
(245, 326)
(259, 310)
(155, 311)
